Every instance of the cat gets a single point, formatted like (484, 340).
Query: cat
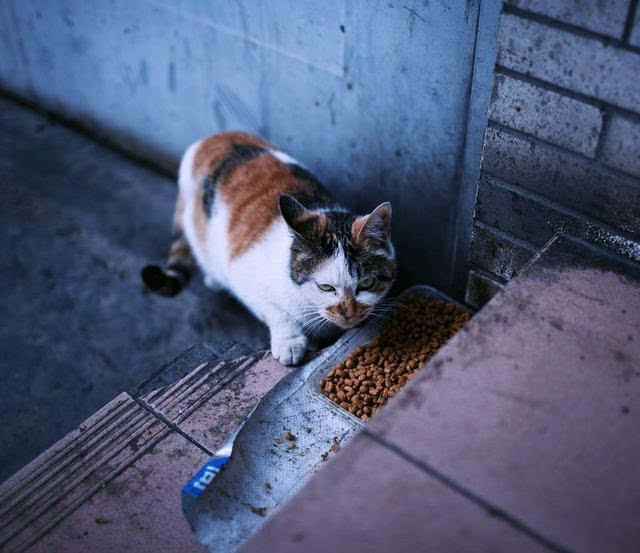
(259, 225)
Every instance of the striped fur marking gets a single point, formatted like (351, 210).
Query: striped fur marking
(236, 156)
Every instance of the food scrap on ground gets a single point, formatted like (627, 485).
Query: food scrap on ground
(373, 373)
(260, 511)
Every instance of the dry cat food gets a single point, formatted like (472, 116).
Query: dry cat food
(373, 373)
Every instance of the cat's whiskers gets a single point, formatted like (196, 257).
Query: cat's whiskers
(311, 323)
(313, 330)
(317, 329)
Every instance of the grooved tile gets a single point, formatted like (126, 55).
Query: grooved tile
(52, 486)
(138, 510)
(214, 398)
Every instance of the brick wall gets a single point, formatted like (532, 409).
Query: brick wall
(562, 148)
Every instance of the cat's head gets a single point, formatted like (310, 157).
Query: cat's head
(344, 264)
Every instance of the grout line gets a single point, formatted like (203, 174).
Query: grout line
(532, 196)
(492, 509)
(497, 279)
(570, 28)
(171, 425)
(552, 87)
(628, 27)
(618, 258)
(604, 131)
(506, 236)
(551, 146)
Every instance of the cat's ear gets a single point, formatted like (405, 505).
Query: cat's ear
(304, 223)
(373, 229)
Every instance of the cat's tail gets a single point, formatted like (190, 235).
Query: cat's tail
(170, 279)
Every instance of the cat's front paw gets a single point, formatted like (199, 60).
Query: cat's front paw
(289, 351)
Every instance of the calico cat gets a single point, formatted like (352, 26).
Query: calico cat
(261, 226)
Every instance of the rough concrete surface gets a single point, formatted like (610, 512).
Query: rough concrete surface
(601, 17)
(575, 182)
(621, 148)
(546, 114)
(78, 223)
(571, 61)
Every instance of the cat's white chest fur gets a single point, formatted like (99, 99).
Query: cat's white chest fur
(259, 277)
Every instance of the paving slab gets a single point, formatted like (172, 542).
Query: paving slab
(367, 499)
(534, 406)
(210, 401)
(139, 510)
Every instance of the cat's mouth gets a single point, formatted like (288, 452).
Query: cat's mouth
(344, 322)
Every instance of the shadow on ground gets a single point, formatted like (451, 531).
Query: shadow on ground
(78, 221)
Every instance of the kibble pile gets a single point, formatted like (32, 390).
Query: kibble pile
(373, 373)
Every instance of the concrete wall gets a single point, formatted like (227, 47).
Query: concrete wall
(382, 100)
(562, 149)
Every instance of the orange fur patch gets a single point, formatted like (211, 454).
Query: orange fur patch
(199, 217)
(252, 193)
(251, 190)
(212, 150)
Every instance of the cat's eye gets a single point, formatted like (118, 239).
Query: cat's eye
(326, 287)
(367, 283)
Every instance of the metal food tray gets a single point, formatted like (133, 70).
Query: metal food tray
(349, 341)
(259, 474)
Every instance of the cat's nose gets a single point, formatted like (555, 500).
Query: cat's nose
(348, 308)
